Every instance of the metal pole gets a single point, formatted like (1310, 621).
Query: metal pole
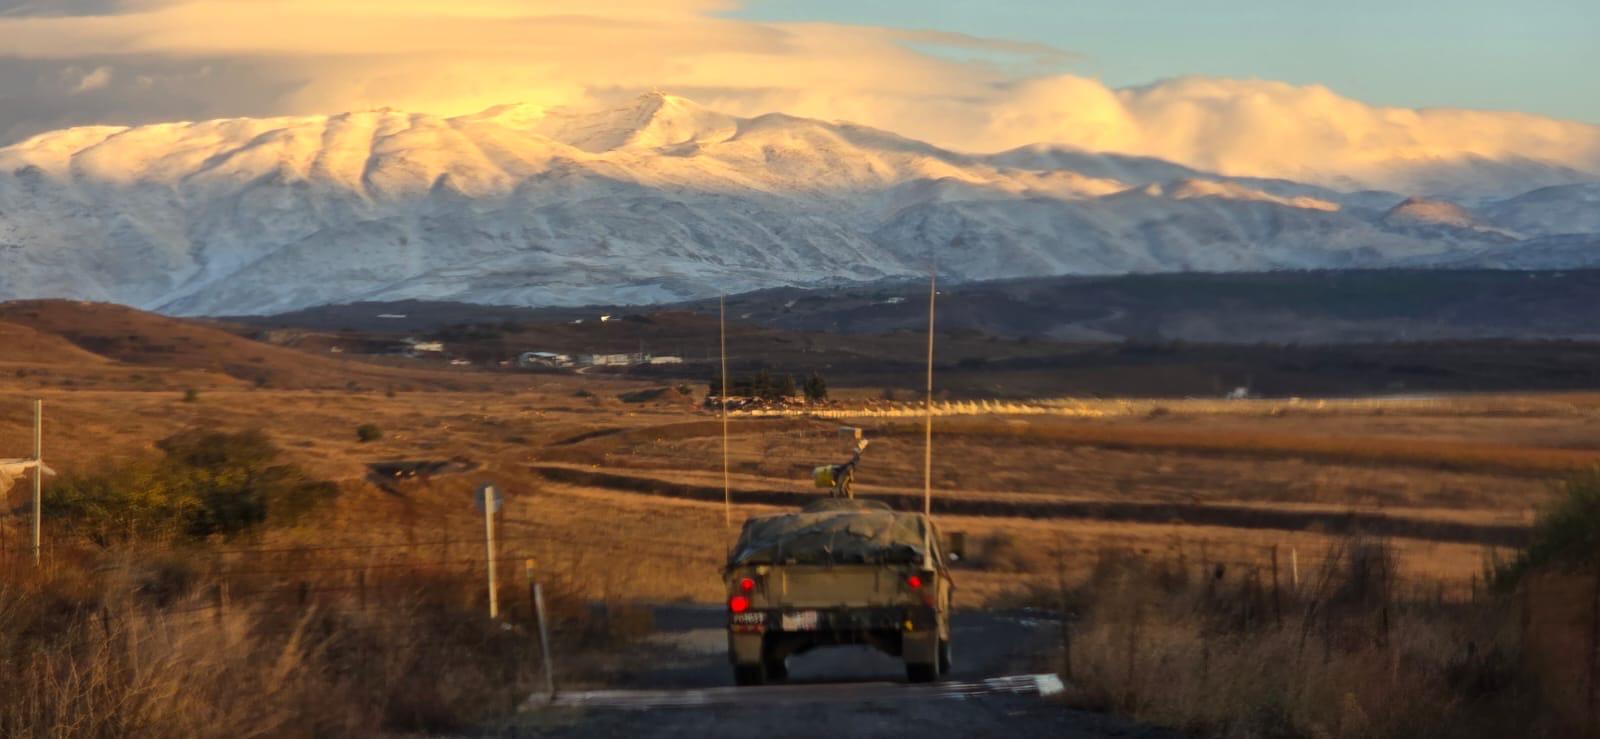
(488, 542)
(38, 476)
(927, 446)
(727, 490)
(544, 642)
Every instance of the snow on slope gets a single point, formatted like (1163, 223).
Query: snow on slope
(1566, 209)
(1421, 215)
(659, 200)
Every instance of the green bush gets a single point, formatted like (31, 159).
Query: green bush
(191, 395)
(368, 432)
(816, 388)
(1567, 533)
(205, 484)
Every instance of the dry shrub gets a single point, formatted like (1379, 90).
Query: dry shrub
(999, 551)
(129, 670)
(1349, 656)
(138, 647)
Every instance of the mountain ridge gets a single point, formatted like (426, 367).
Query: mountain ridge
(656, 201)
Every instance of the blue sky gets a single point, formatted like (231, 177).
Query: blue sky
(1535, 56)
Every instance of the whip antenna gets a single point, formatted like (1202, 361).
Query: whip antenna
(727, 491)
(927, 447)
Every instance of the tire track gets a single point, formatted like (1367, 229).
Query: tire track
(1152, 512)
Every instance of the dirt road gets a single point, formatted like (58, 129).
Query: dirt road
(682, 687)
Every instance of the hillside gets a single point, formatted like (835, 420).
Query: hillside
(87, 344)
(1318, 334)
(23, 345)
(1313, 308)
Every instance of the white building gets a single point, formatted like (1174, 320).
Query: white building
(544, 359)
(424, 347)
(607, 360)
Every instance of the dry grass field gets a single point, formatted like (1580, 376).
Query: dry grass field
(1483, 462)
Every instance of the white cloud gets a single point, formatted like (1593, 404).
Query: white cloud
(1262, 128)
(94, 79)
(155, 59)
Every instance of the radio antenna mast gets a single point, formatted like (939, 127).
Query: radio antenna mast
(727, 491)
(927, 447)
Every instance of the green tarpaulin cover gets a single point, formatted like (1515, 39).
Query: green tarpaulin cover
(833, 531)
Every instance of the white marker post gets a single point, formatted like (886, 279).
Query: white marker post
(488, 498)
(38, 476)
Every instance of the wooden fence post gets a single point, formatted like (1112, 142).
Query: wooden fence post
(544, 642)
(1594, 655)
(1062, 605)
(1132, 700)
(1386, 594)
(1277, 597)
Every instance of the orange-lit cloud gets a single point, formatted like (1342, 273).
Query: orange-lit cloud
(141, 60)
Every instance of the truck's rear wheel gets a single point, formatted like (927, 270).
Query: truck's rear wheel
(749, 674)
(946, 660)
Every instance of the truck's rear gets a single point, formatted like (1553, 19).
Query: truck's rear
(839, 572)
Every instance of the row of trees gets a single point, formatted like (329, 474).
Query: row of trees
(764, 385)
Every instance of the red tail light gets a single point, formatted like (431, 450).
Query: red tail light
(738, 604)
(914, 582)
(746, 585)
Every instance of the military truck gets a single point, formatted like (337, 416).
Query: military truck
(839, 571)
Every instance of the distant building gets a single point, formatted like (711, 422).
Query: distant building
(544, 359)
(608, 360)
(665, 359)
(461, 362)
(415, 347)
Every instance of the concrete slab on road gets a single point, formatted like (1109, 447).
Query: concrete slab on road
(1035, 685)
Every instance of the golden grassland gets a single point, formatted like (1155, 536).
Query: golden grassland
(1490, 466)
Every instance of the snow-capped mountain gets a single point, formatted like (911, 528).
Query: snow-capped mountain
(663, 200)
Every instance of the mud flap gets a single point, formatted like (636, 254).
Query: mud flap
(744, 649)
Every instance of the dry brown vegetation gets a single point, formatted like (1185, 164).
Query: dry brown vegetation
(170, 643)
(1371, 448)
(128, 643)
(1350, 653)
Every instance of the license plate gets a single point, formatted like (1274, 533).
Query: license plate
(800, 621)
